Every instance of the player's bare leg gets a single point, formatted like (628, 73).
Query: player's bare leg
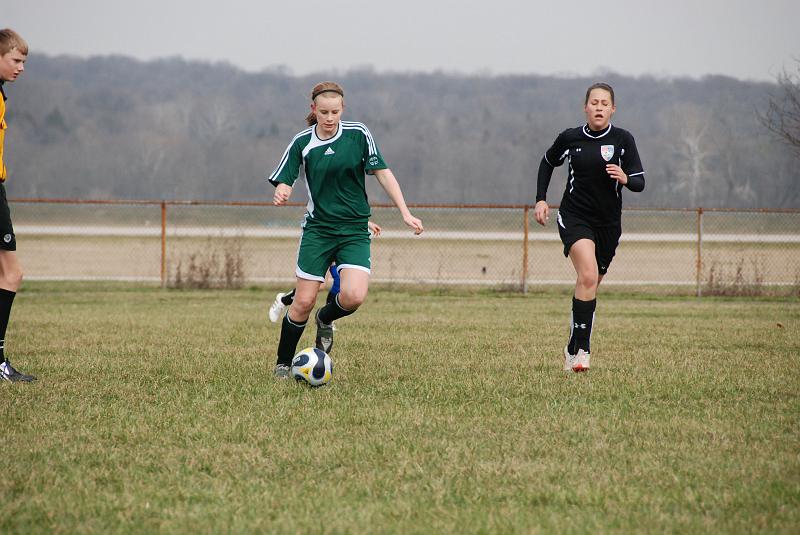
(294, 322)
(10, 281)
(354, 286)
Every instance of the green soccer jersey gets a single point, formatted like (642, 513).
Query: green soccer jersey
(334, 171)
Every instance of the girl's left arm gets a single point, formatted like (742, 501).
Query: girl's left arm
(389, 184)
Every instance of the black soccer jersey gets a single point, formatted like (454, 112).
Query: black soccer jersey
(590, 192)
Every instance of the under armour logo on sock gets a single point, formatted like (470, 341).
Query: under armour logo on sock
(580, 325)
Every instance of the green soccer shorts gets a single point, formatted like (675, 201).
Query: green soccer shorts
(320, 247)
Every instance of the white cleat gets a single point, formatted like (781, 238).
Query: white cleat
(583, 361)
(569, 360)
(576, 363)
(277, 308)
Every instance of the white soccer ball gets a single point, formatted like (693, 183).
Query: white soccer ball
(312, 366)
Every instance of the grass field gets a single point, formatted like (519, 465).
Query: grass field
(448, 413)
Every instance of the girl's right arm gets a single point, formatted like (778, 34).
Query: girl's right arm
(541, 211)
(282, 193)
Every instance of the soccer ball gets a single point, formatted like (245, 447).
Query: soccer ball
(312, 366)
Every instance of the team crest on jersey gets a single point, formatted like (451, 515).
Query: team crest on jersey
(7, 238)
(373, 160)
(607, 152)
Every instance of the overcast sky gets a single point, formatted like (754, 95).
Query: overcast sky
(747, 39)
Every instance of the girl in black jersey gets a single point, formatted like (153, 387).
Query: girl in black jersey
(601, 159)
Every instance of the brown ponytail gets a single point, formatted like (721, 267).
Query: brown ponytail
(323, 87)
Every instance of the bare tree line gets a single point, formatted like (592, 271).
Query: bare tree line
(782, 115)
(114, 127)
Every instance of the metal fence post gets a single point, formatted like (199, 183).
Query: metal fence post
(699, 263)
(525, 250)
(163, 244)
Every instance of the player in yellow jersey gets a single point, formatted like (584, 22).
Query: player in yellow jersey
(13, 53)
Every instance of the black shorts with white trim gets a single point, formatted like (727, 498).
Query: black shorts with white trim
(572, 228)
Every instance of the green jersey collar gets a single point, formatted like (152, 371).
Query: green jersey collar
(315, 141)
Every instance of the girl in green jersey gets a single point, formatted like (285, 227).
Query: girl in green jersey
(336, 155)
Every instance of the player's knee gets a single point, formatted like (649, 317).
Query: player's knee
(12, 279)
(588, 279)
(352, 298)
(303, 304)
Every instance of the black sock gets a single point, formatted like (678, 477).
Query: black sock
(288, 299)
(333, 311)
(330, 298)
(291, 331)
(6, 300)
(581, 325)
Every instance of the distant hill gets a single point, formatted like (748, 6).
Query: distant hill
(114, 127)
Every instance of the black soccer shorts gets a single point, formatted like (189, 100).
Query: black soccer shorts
(8, 242)
(572, 228)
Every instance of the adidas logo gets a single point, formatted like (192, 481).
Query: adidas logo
(329, 151)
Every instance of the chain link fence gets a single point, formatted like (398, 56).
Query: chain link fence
(689, 251)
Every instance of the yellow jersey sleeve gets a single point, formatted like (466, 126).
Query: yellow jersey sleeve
(3, 171)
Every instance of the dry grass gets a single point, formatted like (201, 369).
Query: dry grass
(214, 266)
(448, 413)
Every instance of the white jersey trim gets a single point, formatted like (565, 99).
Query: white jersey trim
(285, 157)
(315, 141)
(586, 132)
(340, 267)
(310, 203)
(571, 175)
(560, 158)
(352, 125)
(307, 276)
(299, 272)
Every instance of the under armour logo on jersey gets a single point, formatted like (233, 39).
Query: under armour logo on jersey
(329, 151)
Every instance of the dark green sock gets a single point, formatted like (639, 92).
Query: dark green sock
(291, 331)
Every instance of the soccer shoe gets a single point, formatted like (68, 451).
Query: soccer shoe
(570, 361)
(276, 308)
(583, 361)
(8, 373)
(324, 339)
(282, 371)
(576, 363)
